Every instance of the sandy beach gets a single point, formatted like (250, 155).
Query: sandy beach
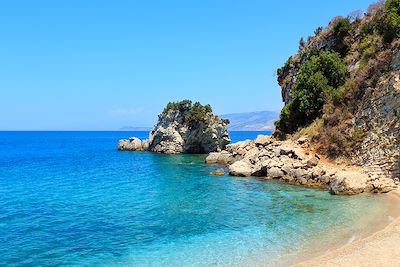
(379, 249)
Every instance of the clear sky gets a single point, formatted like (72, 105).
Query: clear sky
(102, 65)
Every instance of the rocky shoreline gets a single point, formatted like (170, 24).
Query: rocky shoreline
(294, 163)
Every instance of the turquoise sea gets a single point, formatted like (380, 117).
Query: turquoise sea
(72, 199)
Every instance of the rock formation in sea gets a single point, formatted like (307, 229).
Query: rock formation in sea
(292, 162)
(183, 127)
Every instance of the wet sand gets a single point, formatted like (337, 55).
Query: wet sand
(379, 249)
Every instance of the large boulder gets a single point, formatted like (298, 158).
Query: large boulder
(240, 168)
(184, 127)
(348, 183)
(263, 140)
(383, 185)
(223, 157)
(275, 173)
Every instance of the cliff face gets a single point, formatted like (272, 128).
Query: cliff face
(378, 116)
(359, 119)
(183, 128)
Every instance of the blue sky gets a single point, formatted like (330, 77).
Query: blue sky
(102, 65)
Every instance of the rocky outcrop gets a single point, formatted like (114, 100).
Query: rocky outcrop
(173, 134)
(133, 144)
(288, 161)
(183, 130)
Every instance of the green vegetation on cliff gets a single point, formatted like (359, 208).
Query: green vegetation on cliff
(386, 21)
(192, 112)
(325, 82)
(319, 78)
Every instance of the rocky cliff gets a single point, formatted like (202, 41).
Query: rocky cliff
(183, 127)
(342, 90)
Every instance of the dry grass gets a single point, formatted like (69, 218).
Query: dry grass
(312, 131)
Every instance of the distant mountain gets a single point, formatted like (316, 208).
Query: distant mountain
(131, 128)
(248, 121)
(252, 121)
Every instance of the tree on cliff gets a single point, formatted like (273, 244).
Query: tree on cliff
(319, 78)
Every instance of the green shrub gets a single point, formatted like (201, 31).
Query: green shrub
(342, 27)
(369, 47)
(197, 112)
(309, 94)
(302, 43)
(390, 26)
(281, 70)
(285, 119)
(341, 30)
(329, 64)
(191, 112)
(182, 106)
(319, 78)
(347, 92)
(386, 21)
(318, 30)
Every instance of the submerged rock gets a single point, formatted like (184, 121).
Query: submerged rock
(219, 172)
(183, 127)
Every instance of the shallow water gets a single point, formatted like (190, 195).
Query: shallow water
(70, 198)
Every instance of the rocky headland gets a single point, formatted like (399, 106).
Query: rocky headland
(183, 127)
(342, 90)
(340, 126)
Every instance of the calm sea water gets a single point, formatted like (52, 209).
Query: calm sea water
(71, 199)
